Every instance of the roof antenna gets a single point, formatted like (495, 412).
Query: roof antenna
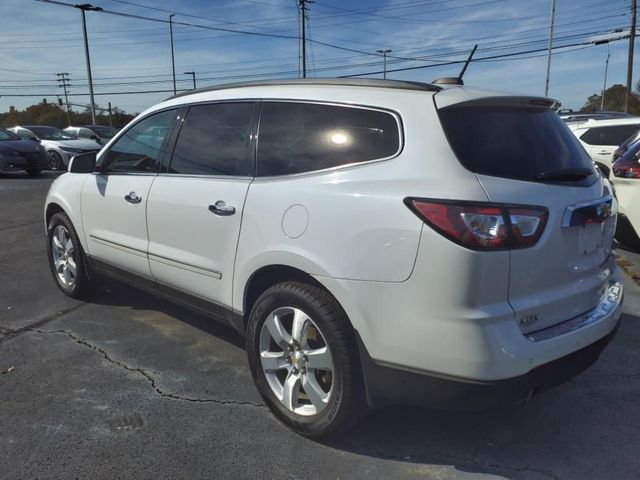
(466, 64)
(457, 80)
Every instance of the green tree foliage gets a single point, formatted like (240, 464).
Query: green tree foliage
(614, 100)
(52, 114)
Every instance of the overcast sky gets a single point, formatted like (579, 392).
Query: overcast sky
(38, 40)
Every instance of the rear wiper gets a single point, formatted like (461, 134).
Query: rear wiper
(565, 174)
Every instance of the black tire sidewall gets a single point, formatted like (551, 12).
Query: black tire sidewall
(336, 334)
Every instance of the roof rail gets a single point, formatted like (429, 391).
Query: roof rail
(351, 82)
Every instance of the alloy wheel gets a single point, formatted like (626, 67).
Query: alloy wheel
(62, 251)
(296, 361)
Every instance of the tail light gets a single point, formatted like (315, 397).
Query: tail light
(482, 226)
(627, 168)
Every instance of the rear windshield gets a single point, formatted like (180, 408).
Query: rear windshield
(512, 142)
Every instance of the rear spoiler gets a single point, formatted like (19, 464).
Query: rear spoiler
(542, 103)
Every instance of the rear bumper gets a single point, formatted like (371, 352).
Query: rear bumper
(387, 385)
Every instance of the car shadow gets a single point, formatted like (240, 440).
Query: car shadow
(114, 293)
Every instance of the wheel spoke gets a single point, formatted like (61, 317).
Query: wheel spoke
(277, 331)
(319, 359)
(317, 396)
(66, 274)
(72, 266)
(299, 326)
(68, 246)
(272, 361)
(57, 244)
(59, 264)
(290, 391)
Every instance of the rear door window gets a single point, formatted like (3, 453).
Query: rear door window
(511, 142)
(216, 139)
(609, 136)
(305, 137)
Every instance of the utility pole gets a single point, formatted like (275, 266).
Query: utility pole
(384, 54)
(193, 75)
(173, 60)
(110, 121)
(604, 86)
(83, 8)
(632, 39)
(63, 80)
(303, 8)
(551, 24)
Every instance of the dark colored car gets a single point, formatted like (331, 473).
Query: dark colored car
(624, 146)
(17, 154)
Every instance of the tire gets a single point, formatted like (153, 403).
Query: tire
(331, 370)
(34, 173)
(56, 163)
(67, 260)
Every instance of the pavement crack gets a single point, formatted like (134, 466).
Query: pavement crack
(13, 333)
(149, 377)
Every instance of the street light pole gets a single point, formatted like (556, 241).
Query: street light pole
(604, 86)
(384, 54)
(551, 24)
(84, 7)
(173, 60)
(193, 75)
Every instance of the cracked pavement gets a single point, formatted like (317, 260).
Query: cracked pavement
(131, 386)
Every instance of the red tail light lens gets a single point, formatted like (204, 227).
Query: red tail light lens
(482, 226)
(627, 168)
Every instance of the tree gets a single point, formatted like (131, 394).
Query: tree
(614, 100)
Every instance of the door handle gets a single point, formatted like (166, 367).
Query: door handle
(221, 209)
(133, 197)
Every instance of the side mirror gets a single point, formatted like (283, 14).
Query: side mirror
(83, 163)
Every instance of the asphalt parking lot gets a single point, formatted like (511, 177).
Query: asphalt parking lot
(130, 386)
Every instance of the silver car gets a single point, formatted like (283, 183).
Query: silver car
(59, 145)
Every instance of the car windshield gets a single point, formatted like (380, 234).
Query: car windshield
(50, 133)
(104, 132)
(7, 135)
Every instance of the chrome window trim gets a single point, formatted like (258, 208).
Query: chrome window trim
(395, 114)
(204, 176)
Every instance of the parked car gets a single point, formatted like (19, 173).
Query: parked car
(601, 138)
(60, 146)
(569, 116)
(379, 243)
(624, 146)
(626, 176)
(99, 133)
(17, 154)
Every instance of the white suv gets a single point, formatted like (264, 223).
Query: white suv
(376, 241)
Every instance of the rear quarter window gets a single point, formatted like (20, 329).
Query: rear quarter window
(609, 136)
(304, 137)
(511, 142)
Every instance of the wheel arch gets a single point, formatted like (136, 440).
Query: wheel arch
(270, 275)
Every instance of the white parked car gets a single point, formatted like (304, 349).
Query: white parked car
(376, 241)
(601, 138)
(626, 177)
(59, 145)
